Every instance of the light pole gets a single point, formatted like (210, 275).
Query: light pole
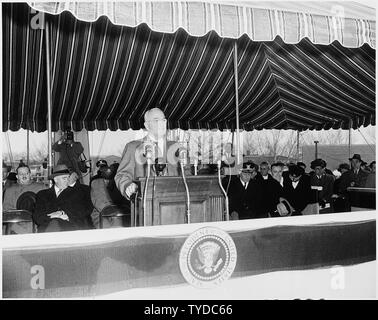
(316, 149)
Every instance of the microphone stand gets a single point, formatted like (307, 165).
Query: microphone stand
(224, 191)
(148, 156)
(187, 191)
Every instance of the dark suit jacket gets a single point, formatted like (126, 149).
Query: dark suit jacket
(246, 202)
(326, 182)
(272, 191)
(71, 200)
(348, 177)
(299, 197)
(370, 181)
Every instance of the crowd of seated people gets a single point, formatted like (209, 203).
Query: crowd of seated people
(281, 190)
(258, 191)
(68, 204)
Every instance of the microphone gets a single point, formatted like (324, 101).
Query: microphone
(228, 160)
(219, 163)
(195, 166)
(149, 153)
(149, 150)
(183, 155)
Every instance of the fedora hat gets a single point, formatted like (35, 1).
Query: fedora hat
(296, 170)
(356, 156)
(59, 170)
(284, 208)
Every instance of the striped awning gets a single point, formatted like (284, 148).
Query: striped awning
(105, 76)
(321, 22)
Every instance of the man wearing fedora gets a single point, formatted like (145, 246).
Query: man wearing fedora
(244, 193)
(355, 177)
(61, 207)
(358, 175)
(321, 184)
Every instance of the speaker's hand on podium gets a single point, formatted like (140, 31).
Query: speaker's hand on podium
(131, 189)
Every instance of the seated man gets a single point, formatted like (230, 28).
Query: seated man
(264, 171)
(244, 193)
(104, 194)
(12, 194)
(356, 177)
(61, 208)
(24, 184)
(370, 181)
(84, 191)
(297, 189)
(273, 191)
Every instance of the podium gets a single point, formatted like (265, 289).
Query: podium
(166, 201)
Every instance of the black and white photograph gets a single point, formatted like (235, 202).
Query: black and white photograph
(188, 150)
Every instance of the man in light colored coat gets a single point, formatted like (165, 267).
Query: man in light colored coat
(154, 146)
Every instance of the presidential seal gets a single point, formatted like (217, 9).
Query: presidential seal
(208, 257)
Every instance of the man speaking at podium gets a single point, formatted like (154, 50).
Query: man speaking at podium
(154, 147)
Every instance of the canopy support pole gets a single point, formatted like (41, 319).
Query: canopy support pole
(27, 146)
(237, 103)
(49, 113)
(350, 139)
(9, 149)
(316, 149)
(297, 145)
